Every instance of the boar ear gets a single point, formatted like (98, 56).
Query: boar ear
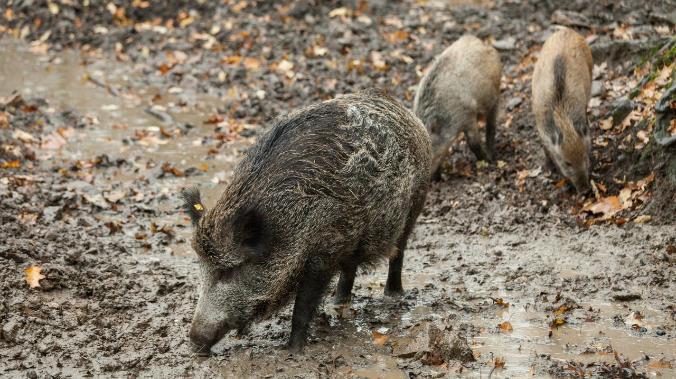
(252, 233)
(192, 204)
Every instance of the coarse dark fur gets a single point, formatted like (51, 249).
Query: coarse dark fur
(561, 90)
(462, 85)
(332, 186)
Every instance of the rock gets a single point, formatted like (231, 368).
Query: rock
(433, 345)
(621, 108)
(51, 214)
(508, 43)
(9, 330)
(621, 51)
(597, 88)
(570, 18)
(451, 346)
(514, 102)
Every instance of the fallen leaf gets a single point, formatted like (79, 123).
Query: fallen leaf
(557, 322)
(606, 124)
(167, 168)
(505, 326)
(561, 310)
(378, 61)
(339, 12)
(10, 164)
(499, 301)
(606, 207)
(499, 362)
(642, 219)
(115, 196)
(23, 136)
(661, 363)
(379, 339)
(33, 276)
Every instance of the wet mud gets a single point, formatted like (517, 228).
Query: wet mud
(501, 277)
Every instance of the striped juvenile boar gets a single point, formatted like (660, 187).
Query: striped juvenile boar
(462, 85)
(561, 88)
(332, 186)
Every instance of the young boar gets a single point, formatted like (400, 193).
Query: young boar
(462, 85)
(332, 186)
(561, 88)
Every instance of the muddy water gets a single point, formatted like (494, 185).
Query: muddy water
(63, 80)
(117, 109)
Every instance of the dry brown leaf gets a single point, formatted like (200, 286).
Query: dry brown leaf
(10, 164)
(642, 219)
(499, 301)
(606, 207)
(557, 322)
(499, 362)
(506, 326)
(606, 124)
(379, 339)
(661, 363)
(33, 276)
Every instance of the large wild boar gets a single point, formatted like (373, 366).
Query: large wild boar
(332, 186)
(462, 85)
(561, 89)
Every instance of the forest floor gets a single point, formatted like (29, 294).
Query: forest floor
(108, 111)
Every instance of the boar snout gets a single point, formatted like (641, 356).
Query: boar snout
(205, 335)
(581, 184)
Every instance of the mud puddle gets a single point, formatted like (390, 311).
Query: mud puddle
(457, 266)
(139, 125)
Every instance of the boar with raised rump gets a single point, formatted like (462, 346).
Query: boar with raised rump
(561, 90)
(462, 86)
(331, 187)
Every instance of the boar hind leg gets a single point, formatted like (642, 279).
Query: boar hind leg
(491, 123)
(308, 295)
(393, 285)
(345, 283)
(474, 140)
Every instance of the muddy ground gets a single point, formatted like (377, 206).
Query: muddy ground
(108, 110)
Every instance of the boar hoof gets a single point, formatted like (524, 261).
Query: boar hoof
(395, 293)
(201, 351)
(294, 348)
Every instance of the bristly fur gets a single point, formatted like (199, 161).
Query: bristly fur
(559, 79)
(462, 84)
(561, 88)
(331, 187)
(192, 203)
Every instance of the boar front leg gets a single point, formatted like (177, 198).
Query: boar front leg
(491, 123)
(309, 293)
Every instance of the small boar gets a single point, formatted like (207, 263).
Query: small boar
(561, 89)
(332, 186)
(462, 85)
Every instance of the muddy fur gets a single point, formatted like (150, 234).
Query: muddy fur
(332, 186)
(561, 90)
(462, 84)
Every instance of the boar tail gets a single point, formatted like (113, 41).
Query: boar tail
(192, 204)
